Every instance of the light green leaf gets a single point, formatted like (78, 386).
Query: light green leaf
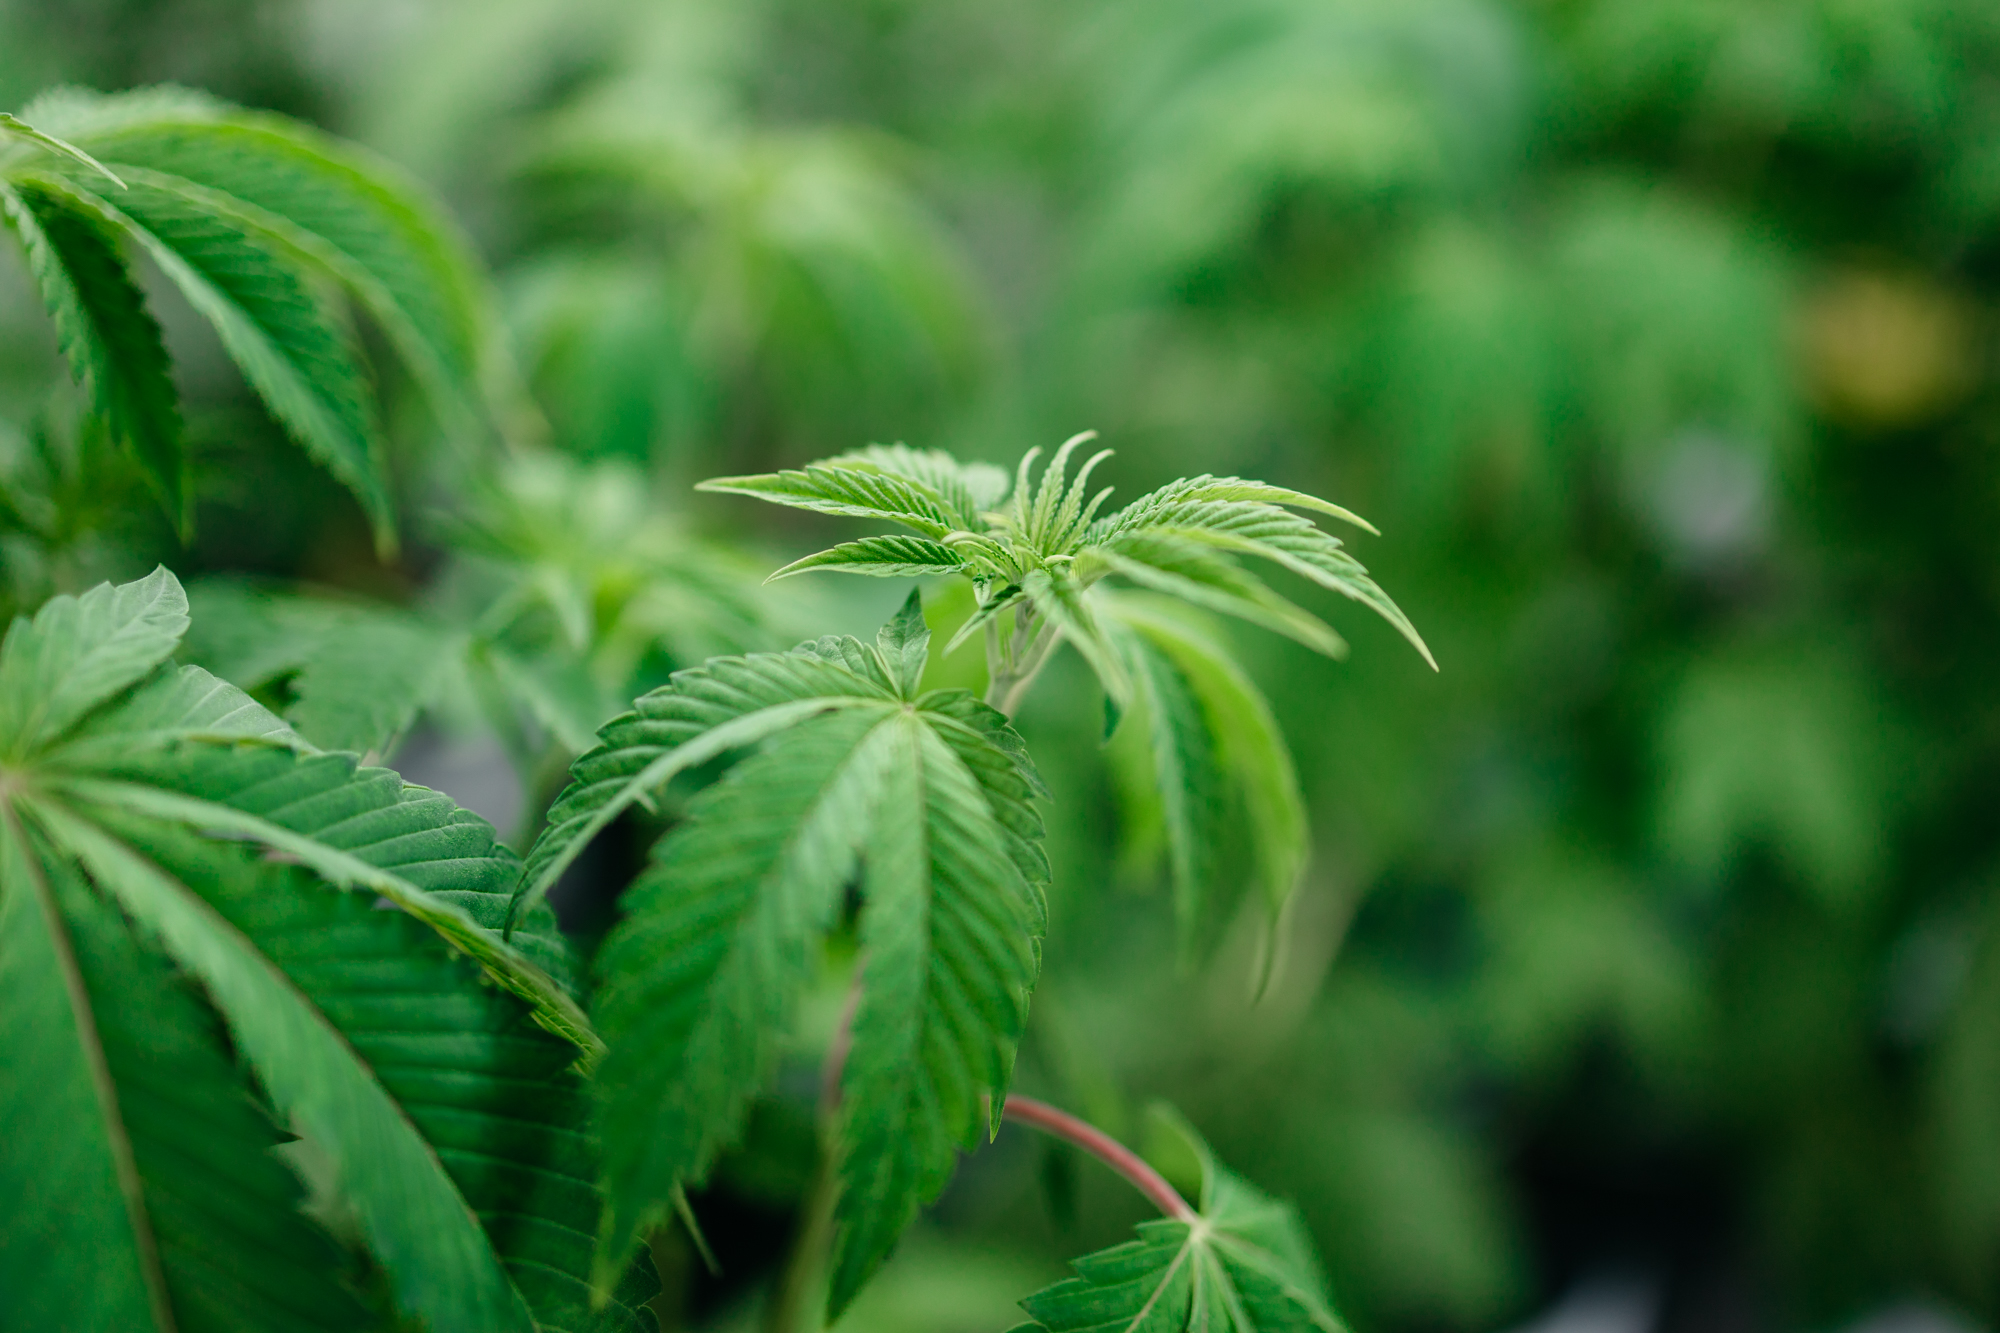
(905, 645)
(79, 651)
(883, 557)
(1051, 523)
(1192, 573)
(1059, 599)
(1265, 531)
(1244, 1265)
(1184, 782)
(969, 488)
(856, 492)
(1244, 738)
(1050, 545)
(1205, 488)
(21, 129)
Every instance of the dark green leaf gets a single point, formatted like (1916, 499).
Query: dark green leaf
(951, 934)
(698, 981)
(929, 802)
(109, 337)
(702, 715)
(444, 1116)
(328, 205)
(219, 1208)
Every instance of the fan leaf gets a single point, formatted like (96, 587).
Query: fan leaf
(1210, 724)
(928, 801)
(1184, 780)
(67, 1164)
(449, 1118)
(15, 127)
(969, 489)
(288, 344)
(1192, 573)
(1059, 599)
(883, 557)
(700, 716)
(834, 487)
(1049, 544)
(1243, 1265)
(359, 674)
(251, 216)
(217, 1210)
(699, 980)
(1267, 532)
(78, 652)
(951, 934)
(342, 210)
(108, 336)
(904, 645)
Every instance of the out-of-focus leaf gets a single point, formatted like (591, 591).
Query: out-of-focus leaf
(1780, 748)
(1243, 1265)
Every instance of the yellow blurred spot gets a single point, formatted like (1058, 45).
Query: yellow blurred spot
(1882, 349)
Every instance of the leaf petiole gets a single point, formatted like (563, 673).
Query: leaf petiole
(1135, 1170)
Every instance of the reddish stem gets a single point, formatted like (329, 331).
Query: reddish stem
(1028, 1111)
(835, 1063)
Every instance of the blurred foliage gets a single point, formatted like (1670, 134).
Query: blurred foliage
(1660, 926)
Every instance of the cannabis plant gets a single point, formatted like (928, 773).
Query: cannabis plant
(258, 221)
(238, 1094)
(295, 1044)
(565, 593)
(845, 773)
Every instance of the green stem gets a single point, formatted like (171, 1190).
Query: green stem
(1012, 668)
(795, 1305)
(1031, 667)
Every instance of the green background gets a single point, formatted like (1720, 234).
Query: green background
(1657, 932)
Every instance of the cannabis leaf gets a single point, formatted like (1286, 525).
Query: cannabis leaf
(1243, 1264)
(1212, 744)
(564, 582)
(848, 777)
(1039, 556)
(171, 867)
(358, 673)
(252, 217)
